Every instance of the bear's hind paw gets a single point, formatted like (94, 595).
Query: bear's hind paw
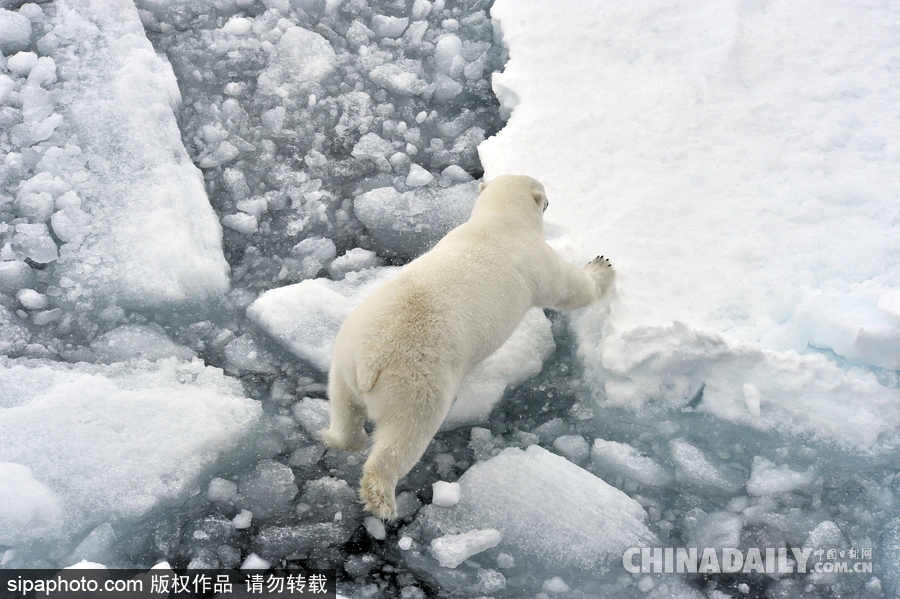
(377, 500)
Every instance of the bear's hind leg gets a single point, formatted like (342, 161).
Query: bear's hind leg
(398, 445)
(348, 418)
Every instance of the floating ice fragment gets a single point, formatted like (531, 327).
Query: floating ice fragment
(268, 489)
(418, 176)
(585, 523)
(385, 26)
(14, 275)
(241, 222)
(375, 528)
(254, 562)
(411, 222)
(620, 459)
(695, 469)
(221, 490)
(246, 354)
(21, 63)
(452, 550)
(445, 494)
(243, 519)
(402, 77)
(223, 153)
(35, 242)
(556, 585)
(131, 341)
(15, 32)
(573, 447)
(32, 300)
(766, 478)
(354, 260)
(299, 56)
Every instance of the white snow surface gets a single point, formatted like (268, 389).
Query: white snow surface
(737, 162)
(90, 444)
(144, 233)
(305, 318)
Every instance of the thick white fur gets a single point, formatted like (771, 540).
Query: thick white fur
(401, 355)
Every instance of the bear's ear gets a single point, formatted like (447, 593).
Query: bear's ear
(481, 186)
(540, 198)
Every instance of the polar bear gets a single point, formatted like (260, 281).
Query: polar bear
(400, 356)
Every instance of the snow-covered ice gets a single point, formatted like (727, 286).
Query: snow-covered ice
(139, 230)
(97, 444)
(744, 191)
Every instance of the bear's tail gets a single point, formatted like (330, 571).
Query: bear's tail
(366, 376)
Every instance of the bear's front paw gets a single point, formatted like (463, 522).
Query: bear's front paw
(600, 269)
(378, 497)
(598, 263)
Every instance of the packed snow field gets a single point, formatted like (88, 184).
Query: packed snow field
(193, 196)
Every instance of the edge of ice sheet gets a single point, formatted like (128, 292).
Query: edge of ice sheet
(745, 195)
(155, 240)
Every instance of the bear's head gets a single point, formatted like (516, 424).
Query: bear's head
(510, 194)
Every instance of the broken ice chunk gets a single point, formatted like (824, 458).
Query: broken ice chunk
(445, 494)
(246, 354)
(354, 260)
(411, 222)
(131, 341)
(447, 56)
(14, 275)
(21, 63)
(15, 32)
(574, 447)
(105, 440)
(155, 239)
(695, 469)
(32, 300)
(35, 242)
(585, 523)
(299, 56)
(385, 26)
(452, 550)
(418, 176)
(620, 459)
(221, 490)
(241, 222)
(402, 77)
(766, 478)
(268, 489)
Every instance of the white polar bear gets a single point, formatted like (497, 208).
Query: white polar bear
(401, 355)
